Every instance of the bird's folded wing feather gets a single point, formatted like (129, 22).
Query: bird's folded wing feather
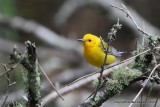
(112, 50)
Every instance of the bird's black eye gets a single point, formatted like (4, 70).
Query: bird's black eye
(89, 40)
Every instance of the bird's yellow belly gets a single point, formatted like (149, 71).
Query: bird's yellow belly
(96, 57)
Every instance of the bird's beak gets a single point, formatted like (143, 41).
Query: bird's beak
(80, 40)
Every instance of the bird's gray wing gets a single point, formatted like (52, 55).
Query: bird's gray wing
(114, 52)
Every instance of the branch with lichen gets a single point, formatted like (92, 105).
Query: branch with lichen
(120, 80)
(147, 62)
(30, 63)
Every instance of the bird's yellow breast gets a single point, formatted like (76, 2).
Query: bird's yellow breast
(95, 56)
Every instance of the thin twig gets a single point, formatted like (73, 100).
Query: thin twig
(94, 92)
(139, 54)
(141, 99)
(8, 90)
(50, 82)
(7, 76)
(149, 93)
(130, 15)
(138, 28)
(157, 99)
(127, 12)
(102, 68)
(157, 53)
(13, 67)
(143, 85)
(143, 35)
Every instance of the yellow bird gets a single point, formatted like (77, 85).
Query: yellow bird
(94, 53)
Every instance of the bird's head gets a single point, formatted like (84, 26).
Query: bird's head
(89, 40)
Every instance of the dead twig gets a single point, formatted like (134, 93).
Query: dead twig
(8, 70)
(144, 84)
(149, 93)
(157, 99)
(127, 12)
(7, 76)
(50, 81)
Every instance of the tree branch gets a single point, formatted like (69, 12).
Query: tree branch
(81, 83)
(30, 63)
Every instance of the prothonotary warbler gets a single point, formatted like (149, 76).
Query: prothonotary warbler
(94, 53)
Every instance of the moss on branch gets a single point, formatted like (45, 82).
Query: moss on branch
(30, 62)
(119, 81)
